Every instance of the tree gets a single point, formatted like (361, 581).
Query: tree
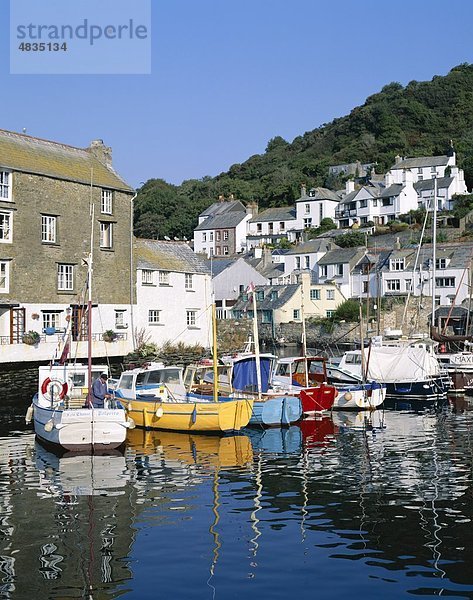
(351, 240)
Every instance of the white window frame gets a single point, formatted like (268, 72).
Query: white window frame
(106, 234)
(296, 314)
(65, 277)
(307, 222)
(6, 227)
(225, 250)
(5, 185)
(307, 262)
(225, 235)
(393, 285)
(298, 262)
(441, 263)
(307, 209)
(191, 318)
(163, 278)
(106, 202)
(445, 282)
(204, 237)
(147, 277)
(315, 294)
(218, 235)
(339, 268)
(154, 316)
(330, 295)
(48, 229)
(188, 281)
(51, 319)
(4, 276)
(397, 264)
(120, 318)
(323, 270)
(211, 236)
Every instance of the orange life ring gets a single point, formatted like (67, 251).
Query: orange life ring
(48, 383)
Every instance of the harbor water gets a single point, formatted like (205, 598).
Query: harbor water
(353, 505)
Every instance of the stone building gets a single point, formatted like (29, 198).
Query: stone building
(47, 190)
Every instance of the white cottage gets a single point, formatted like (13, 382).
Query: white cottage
(173, 293)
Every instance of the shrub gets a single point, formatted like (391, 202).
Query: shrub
(31, 338)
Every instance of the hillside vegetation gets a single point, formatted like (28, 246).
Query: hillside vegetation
(419, 119)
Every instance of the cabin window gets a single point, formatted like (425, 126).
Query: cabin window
(48, 229)
(6, 219)
(106, 204)
(353, 359)
(126, 382)
(65, 277)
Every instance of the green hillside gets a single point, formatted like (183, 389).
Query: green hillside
(419, 119)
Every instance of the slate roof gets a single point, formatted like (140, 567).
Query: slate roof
(421, 161)
(222, 221)
(27, 154)
(428, 184)
(167, 256)
(459, 256)
(320, 194)
(392, 190)
(217, 265)
(217, 208)
(284, 293)
(341, 255)
(315, 245)
(282, 213)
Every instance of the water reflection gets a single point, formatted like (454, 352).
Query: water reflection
(373, 504)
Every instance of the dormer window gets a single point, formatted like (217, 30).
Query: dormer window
(5, 184)
(441, 263)
(323, 271)
(397, 264)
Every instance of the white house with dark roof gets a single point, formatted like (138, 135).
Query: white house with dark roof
(270, 226)
(222, 228)
(230, 278)
(173, 293)
(306, 256)
(313, 206)
(337, 267)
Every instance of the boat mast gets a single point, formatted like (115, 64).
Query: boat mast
(434, 250)
(304, 338)
(214, 350)
(256, 342)
(89, 299)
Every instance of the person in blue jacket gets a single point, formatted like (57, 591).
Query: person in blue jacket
(100, 391)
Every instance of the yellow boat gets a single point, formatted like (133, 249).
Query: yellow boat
(155, 398)
(205, 450)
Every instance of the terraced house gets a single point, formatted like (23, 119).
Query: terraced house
(46, 193)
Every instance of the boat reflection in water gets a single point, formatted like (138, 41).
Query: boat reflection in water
(318, 432)
(278, 440)
(359, 420)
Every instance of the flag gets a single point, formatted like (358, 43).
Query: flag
(65, 352)
(251, 288)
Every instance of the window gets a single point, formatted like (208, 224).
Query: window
(65, 277)
(397, 264)
(298, 262)
(445, 281)
(120, 319)
(323, 271)
(339, 269)
(4, 276)
(267, 316)
(441, 263)
(282, 226)
(48, 229)
(106, 202)
(147, 277)
(211, 236)
(375, 202)
(154, 317)
(365, 287)
(204, 237)
(364, 220)
(225, 249)
(315, 294)
(217, 236)
(51, 319)
(163, 277)
(363, 203)
(106, 240)
(433, 170)
(274, 295)
(321, 211)
(388, 201)
(5, 227)
(408, 285)
(307, 209)
(225, 235)
(4, 185)
(218, 251)
(260, 295)
(259, 227)
(188, 282)
(190, 318)
(307, 222)
(329, 313)
(307, 262)
(393, 285)
(270, 227)
(296, 314)
(330, 294)
(420, 178)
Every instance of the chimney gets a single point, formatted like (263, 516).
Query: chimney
(397, 244)
(303, 190)
(252, 209)
(231, 197)
(221, 198)
(102, 152)
(349, 186)
(397, 159)
(267, 257)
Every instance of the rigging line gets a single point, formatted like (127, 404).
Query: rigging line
(257, 506)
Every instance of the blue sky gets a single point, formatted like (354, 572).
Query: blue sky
(228, 75)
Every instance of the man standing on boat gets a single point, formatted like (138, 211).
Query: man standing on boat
(99, 391)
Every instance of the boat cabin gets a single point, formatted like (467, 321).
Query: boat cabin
(68, 383)
(295, 371)
(153, 380)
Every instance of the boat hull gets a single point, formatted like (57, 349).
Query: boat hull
(363, 396)
(430, 390)
(282, 410)
(317, 399)
(215, 417)
(80, 429)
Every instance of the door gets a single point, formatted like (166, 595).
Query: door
(17, 325)
(79, 323)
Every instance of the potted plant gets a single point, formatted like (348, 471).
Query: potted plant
(109, 335)
(31, 338)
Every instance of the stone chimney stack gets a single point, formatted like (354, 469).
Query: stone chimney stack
(252, 209)
(221, 198)
(267, 257)
(303, 190)
(397, 244)
(397, 159)
(102, 152)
